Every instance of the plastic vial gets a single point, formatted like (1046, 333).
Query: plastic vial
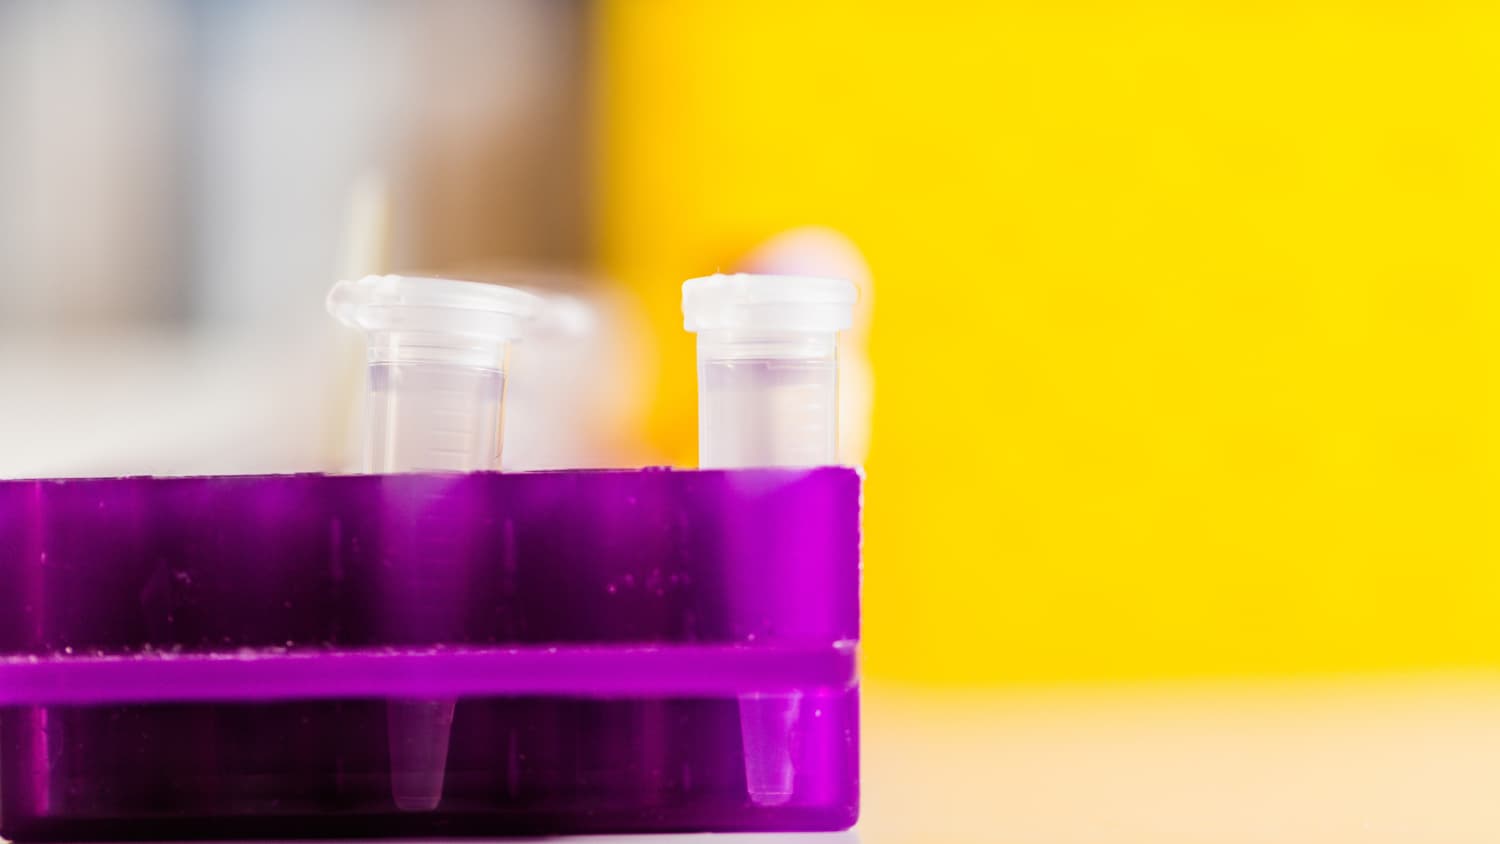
(767, 367)
(436, 352)
(767, 396)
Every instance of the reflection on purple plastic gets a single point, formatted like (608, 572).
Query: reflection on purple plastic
(212, 657)
(598, 671)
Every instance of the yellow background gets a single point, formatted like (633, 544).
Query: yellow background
(1186, 336)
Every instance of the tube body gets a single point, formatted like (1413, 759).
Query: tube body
(768, 390)
(436, 352)
(767, 399)
(432, 409)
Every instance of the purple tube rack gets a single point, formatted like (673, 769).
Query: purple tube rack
(215, 657)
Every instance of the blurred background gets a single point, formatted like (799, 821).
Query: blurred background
(1184, 454)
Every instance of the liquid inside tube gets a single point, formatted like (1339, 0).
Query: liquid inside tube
(768, 412)
(431, 417)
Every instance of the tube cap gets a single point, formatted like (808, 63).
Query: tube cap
(743, 302)
(440, 305)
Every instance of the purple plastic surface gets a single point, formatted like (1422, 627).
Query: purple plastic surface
(241, 656)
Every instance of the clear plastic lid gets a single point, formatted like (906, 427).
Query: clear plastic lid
(432, 305)
(769, 303)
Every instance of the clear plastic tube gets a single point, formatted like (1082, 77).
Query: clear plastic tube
(436, 353)
(767, 367)
(767, 396)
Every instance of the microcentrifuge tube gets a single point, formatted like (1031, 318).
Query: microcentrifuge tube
(436, 353)
(767, 396)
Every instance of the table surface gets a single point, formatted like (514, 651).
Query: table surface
(1327, 760)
